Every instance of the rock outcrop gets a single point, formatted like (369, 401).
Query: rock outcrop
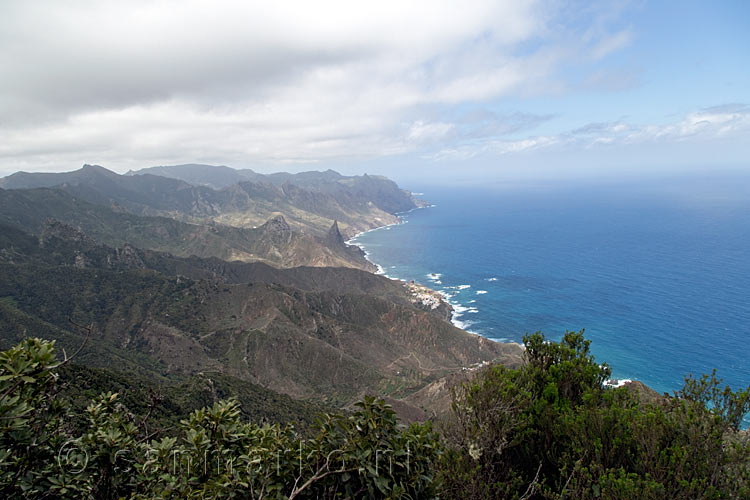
(334, 237)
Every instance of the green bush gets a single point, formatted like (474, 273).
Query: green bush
(367, 454)
(551, 429)
(31, 419)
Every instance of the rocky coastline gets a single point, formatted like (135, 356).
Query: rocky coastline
(420, 295)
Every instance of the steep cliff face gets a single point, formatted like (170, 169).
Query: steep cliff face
(273, 236)
(382, 192)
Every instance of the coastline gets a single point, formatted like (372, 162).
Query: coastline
(380, 270)
(552, 291)
(352, 241)
(447, 294)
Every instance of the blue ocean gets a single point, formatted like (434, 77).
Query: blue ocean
(656, 271)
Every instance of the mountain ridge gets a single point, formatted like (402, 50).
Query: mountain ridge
(29, 209)
(310, 201)
(172, 291)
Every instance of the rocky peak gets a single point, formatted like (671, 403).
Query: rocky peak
(334, 235)
(277, 224)
(97, 169)
(53, 228)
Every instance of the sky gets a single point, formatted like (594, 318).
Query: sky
(449, 90)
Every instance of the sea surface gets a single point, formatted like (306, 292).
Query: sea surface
(656, 271)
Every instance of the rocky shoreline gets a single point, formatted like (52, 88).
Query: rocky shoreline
(429, 299)
(421, 296)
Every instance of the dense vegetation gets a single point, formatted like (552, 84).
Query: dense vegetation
(548, 429)
(552, 430)
(215, 454)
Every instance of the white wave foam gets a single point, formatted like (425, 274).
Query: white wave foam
(463, 287)
(458, 309)
(435, 278)
(617, 382)
(481, 292)
(463, 325)
(353, 239)
(459, 323)
(491, 279)
(472, 301)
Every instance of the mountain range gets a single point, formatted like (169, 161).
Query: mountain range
(174, 292)
(310, 201)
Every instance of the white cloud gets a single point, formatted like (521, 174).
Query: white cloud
(704, 125)
(129, 83)
(423, 132)
(611, 44)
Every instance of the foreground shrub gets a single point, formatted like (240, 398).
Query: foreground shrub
(551, 429)
(367, 454)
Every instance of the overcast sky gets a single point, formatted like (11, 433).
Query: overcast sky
(407, 88)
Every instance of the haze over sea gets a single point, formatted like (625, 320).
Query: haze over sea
(657, 271)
